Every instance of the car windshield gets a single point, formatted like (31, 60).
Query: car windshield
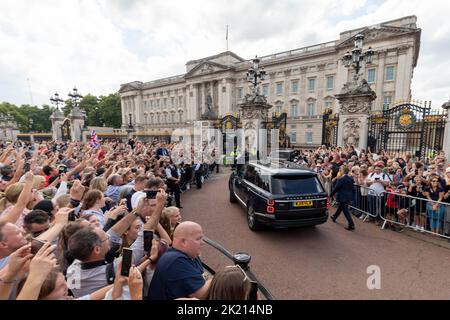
(301, 184)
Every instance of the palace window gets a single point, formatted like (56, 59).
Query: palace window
(387, 100)
(294, 86)
(371, 76)
(311, 109)
(311, 84)
(309, 137)
(389, 73)
(240, 93)
(280, 88)
(330, 83)
(293, 110)
(266, 90)
(293, 136)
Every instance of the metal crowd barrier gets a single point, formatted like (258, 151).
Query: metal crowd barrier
(243, 260)
(367, 202)
(417, 214)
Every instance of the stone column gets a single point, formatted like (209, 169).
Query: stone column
(403, 74)
(193, 102)
(253, 137)
(57, 119)
(202, 98)
(446, 146)
(380, 80)
(221, 108)
(76, 125)
(138, 109)
(353, 115)
(228, 96)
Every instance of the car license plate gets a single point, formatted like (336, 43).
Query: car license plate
(303, 204)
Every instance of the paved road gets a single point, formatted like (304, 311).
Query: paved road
(322, 262)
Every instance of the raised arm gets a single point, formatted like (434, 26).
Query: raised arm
(24, 197)
(61, 220)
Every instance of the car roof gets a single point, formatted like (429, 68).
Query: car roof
(283, 150)
(283, 168)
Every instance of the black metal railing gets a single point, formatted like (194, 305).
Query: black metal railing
(236, 260)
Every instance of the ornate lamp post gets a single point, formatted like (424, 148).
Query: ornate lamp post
(255, 75)
(56, 100)
(75, 97)
(356, 58)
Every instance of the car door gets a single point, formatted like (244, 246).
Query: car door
(238, 180)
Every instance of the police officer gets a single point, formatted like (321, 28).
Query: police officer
(173, 176)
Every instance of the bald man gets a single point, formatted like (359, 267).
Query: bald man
(179, 272)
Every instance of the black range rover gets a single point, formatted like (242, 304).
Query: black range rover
(279, 196)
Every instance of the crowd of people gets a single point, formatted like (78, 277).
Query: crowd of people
(405, 189)
(86, 222)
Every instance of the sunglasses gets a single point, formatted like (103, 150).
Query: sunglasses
(254, 285)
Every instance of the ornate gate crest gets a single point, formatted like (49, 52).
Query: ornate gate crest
(406, 119)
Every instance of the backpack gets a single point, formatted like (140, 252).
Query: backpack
(384, 176)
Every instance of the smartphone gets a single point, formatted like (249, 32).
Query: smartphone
(36, 245)
(376, 179)
(127, 259)
(151, 194)
(148, 237)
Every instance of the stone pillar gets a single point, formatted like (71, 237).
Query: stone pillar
(76, 125)
(228, 96)
(202, 98)
(253, 112)
(57, 119)
(139, 112)
(353, 115)
(220, 85)
(193, 102)
(380, 81)
(446, 146)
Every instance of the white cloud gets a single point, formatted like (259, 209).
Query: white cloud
(97, 45)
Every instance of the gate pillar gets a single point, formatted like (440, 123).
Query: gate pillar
(446, 146)
(355, 103)
(57, 119)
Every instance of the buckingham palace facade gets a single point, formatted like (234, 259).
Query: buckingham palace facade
(301, 82)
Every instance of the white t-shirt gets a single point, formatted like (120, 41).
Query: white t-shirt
(377, 187)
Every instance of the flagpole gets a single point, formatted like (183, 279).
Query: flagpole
(227, 37)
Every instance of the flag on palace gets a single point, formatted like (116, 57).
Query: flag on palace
(94, 139)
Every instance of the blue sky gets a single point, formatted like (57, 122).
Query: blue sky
(97, 45)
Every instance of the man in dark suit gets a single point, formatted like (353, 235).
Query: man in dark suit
(345, 193)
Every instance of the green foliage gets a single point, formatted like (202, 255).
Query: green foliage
(103, 110)
(23, 114)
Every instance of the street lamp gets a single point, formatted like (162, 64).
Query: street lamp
(75, 97)
(356, 58)
(56, 100)
(255, 74)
